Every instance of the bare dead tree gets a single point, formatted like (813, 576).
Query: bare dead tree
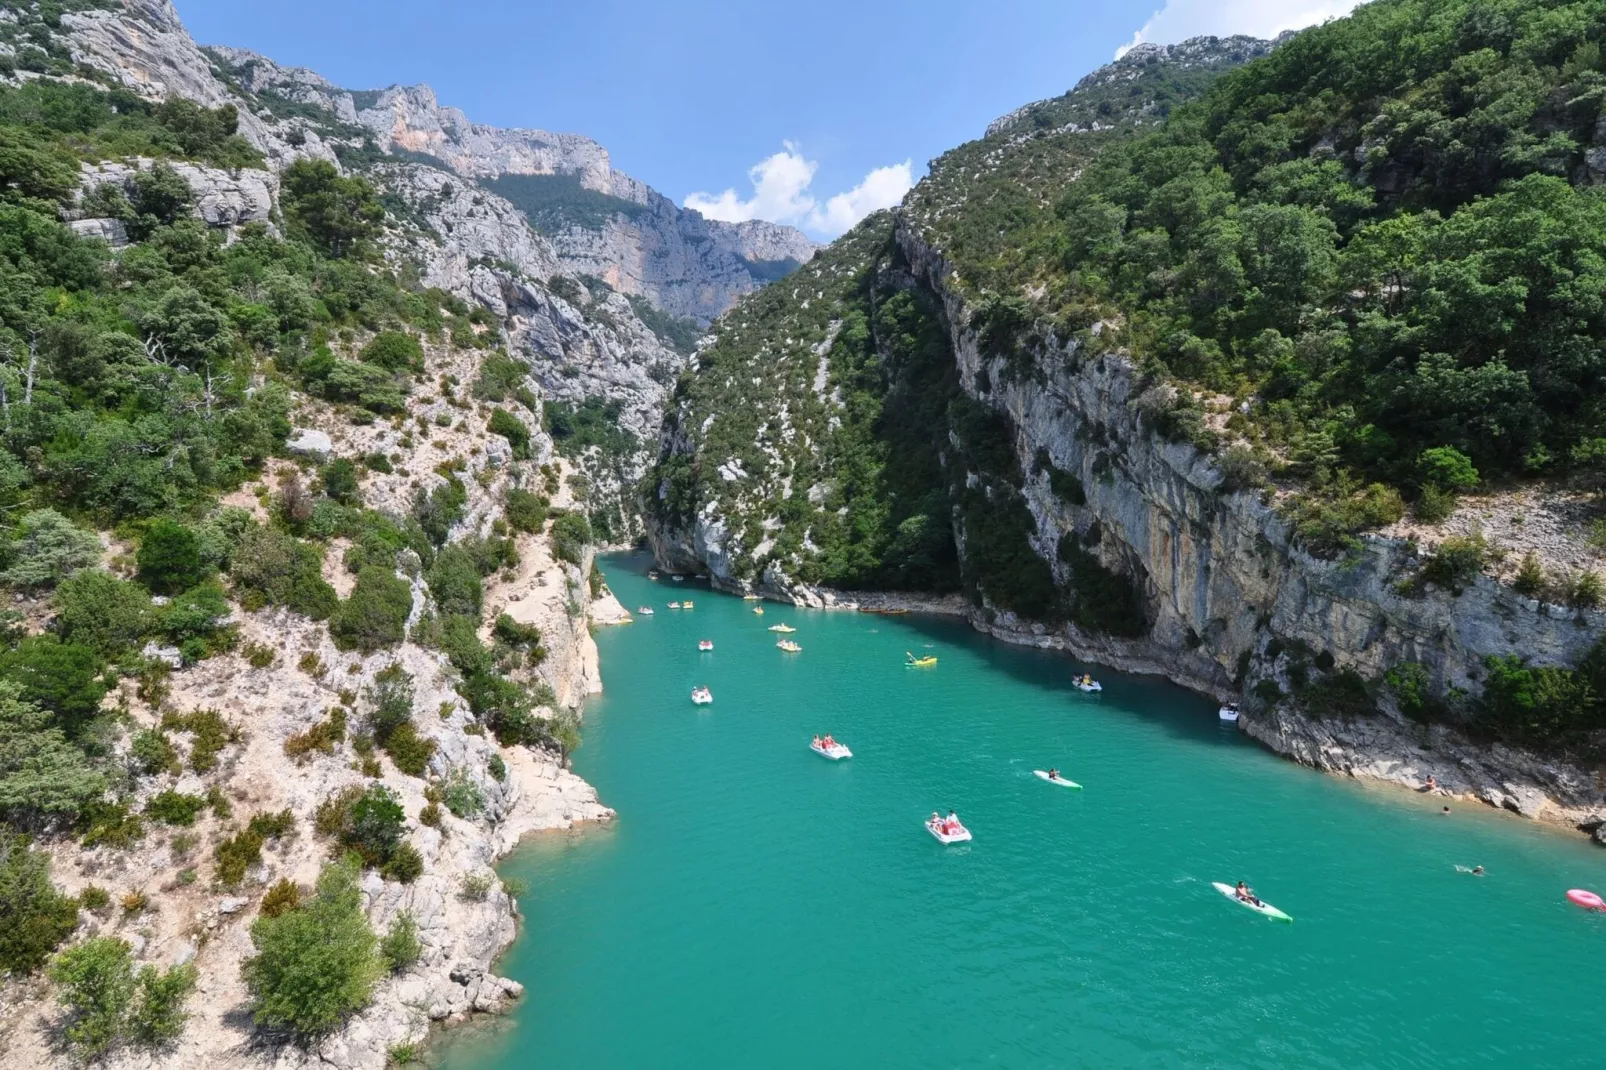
(33, 365)
(211, 383)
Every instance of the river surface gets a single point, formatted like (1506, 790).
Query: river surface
(758, 906)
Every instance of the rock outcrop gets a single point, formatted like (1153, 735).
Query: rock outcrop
(634, 238)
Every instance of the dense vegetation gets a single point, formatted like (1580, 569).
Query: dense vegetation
(1384, 237)
(136, 388)
(553, 203)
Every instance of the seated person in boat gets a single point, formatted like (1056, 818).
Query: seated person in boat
(952, 825)
(1053, 774)
(817, 742)
(1247, 894)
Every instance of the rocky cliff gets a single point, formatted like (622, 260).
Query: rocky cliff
(600, 221)
(835, 421)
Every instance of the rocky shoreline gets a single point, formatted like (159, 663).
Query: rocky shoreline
(1388, 749)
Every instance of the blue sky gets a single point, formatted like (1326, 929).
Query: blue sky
(811, 114)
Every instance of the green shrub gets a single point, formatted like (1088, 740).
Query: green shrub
(94, 898)
(1587, 590)
(63, 679)
(1456, 561)
(158, 1015)
(209, 734)
(243, 850)
(1530, 579)
(454, 581)
(150, 751)
(390, 697)
(283, 897)
(375, 616)
(476, 887)
(169, 558)
(98, 609)
(272, 568)
(513, 429)
(96, 988)
(394, 351)
(410, 751)
(401, 947)
(35, 917)
(1446, 469)
(405, 864)
(497, 768)
(1410, 684)
(46, 549)
(339, 478)
(110, 824)
(525, 511)
(42, 775)
(316, 966)
(462, 794)
(368, 821)
(570, 537)
(175, 808)
(1434, 505)
(438, 509)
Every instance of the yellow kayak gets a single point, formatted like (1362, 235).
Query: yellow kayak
(921, 663)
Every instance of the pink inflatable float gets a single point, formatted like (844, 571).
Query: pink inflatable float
(1585, 899)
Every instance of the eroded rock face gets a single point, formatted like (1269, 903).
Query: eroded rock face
(224, 199)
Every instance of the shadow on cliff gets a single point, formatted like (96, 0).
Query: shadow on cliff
(1182, 713)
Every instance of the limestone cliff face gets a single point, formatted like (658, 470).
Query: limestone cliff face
(644, 244)
(1235, 607)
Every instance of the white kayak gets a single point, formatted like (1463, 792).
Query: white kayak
(1061, 781)
(961, 836)
(836, 751)
(1263, 908)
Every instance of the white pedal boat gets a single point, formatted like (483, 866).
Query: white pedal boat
(960, 836)
(1263, 908)
(701, 696)
(1087, 684)
(705, 645)
(1228, 713)
(836, 751)
(644, 611)
(1060, 780)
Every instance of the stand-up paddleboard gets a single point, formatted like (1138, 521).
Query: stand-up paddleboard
(1264, 908)
(1061, 781)
(961, 836)
(836, 752)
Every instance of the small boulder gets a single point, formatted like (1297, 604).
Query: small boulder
(171, 655)
(231, 905)
(308, 442)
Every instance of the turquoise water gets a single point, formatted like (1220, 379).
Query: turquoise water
(756, 905)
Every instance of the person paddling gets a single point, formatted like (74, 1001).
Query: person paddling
(1247, 894)
(1053, 774)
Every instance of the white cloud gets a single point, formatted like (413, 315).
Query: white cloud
(781, 194)
(1179, 20)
